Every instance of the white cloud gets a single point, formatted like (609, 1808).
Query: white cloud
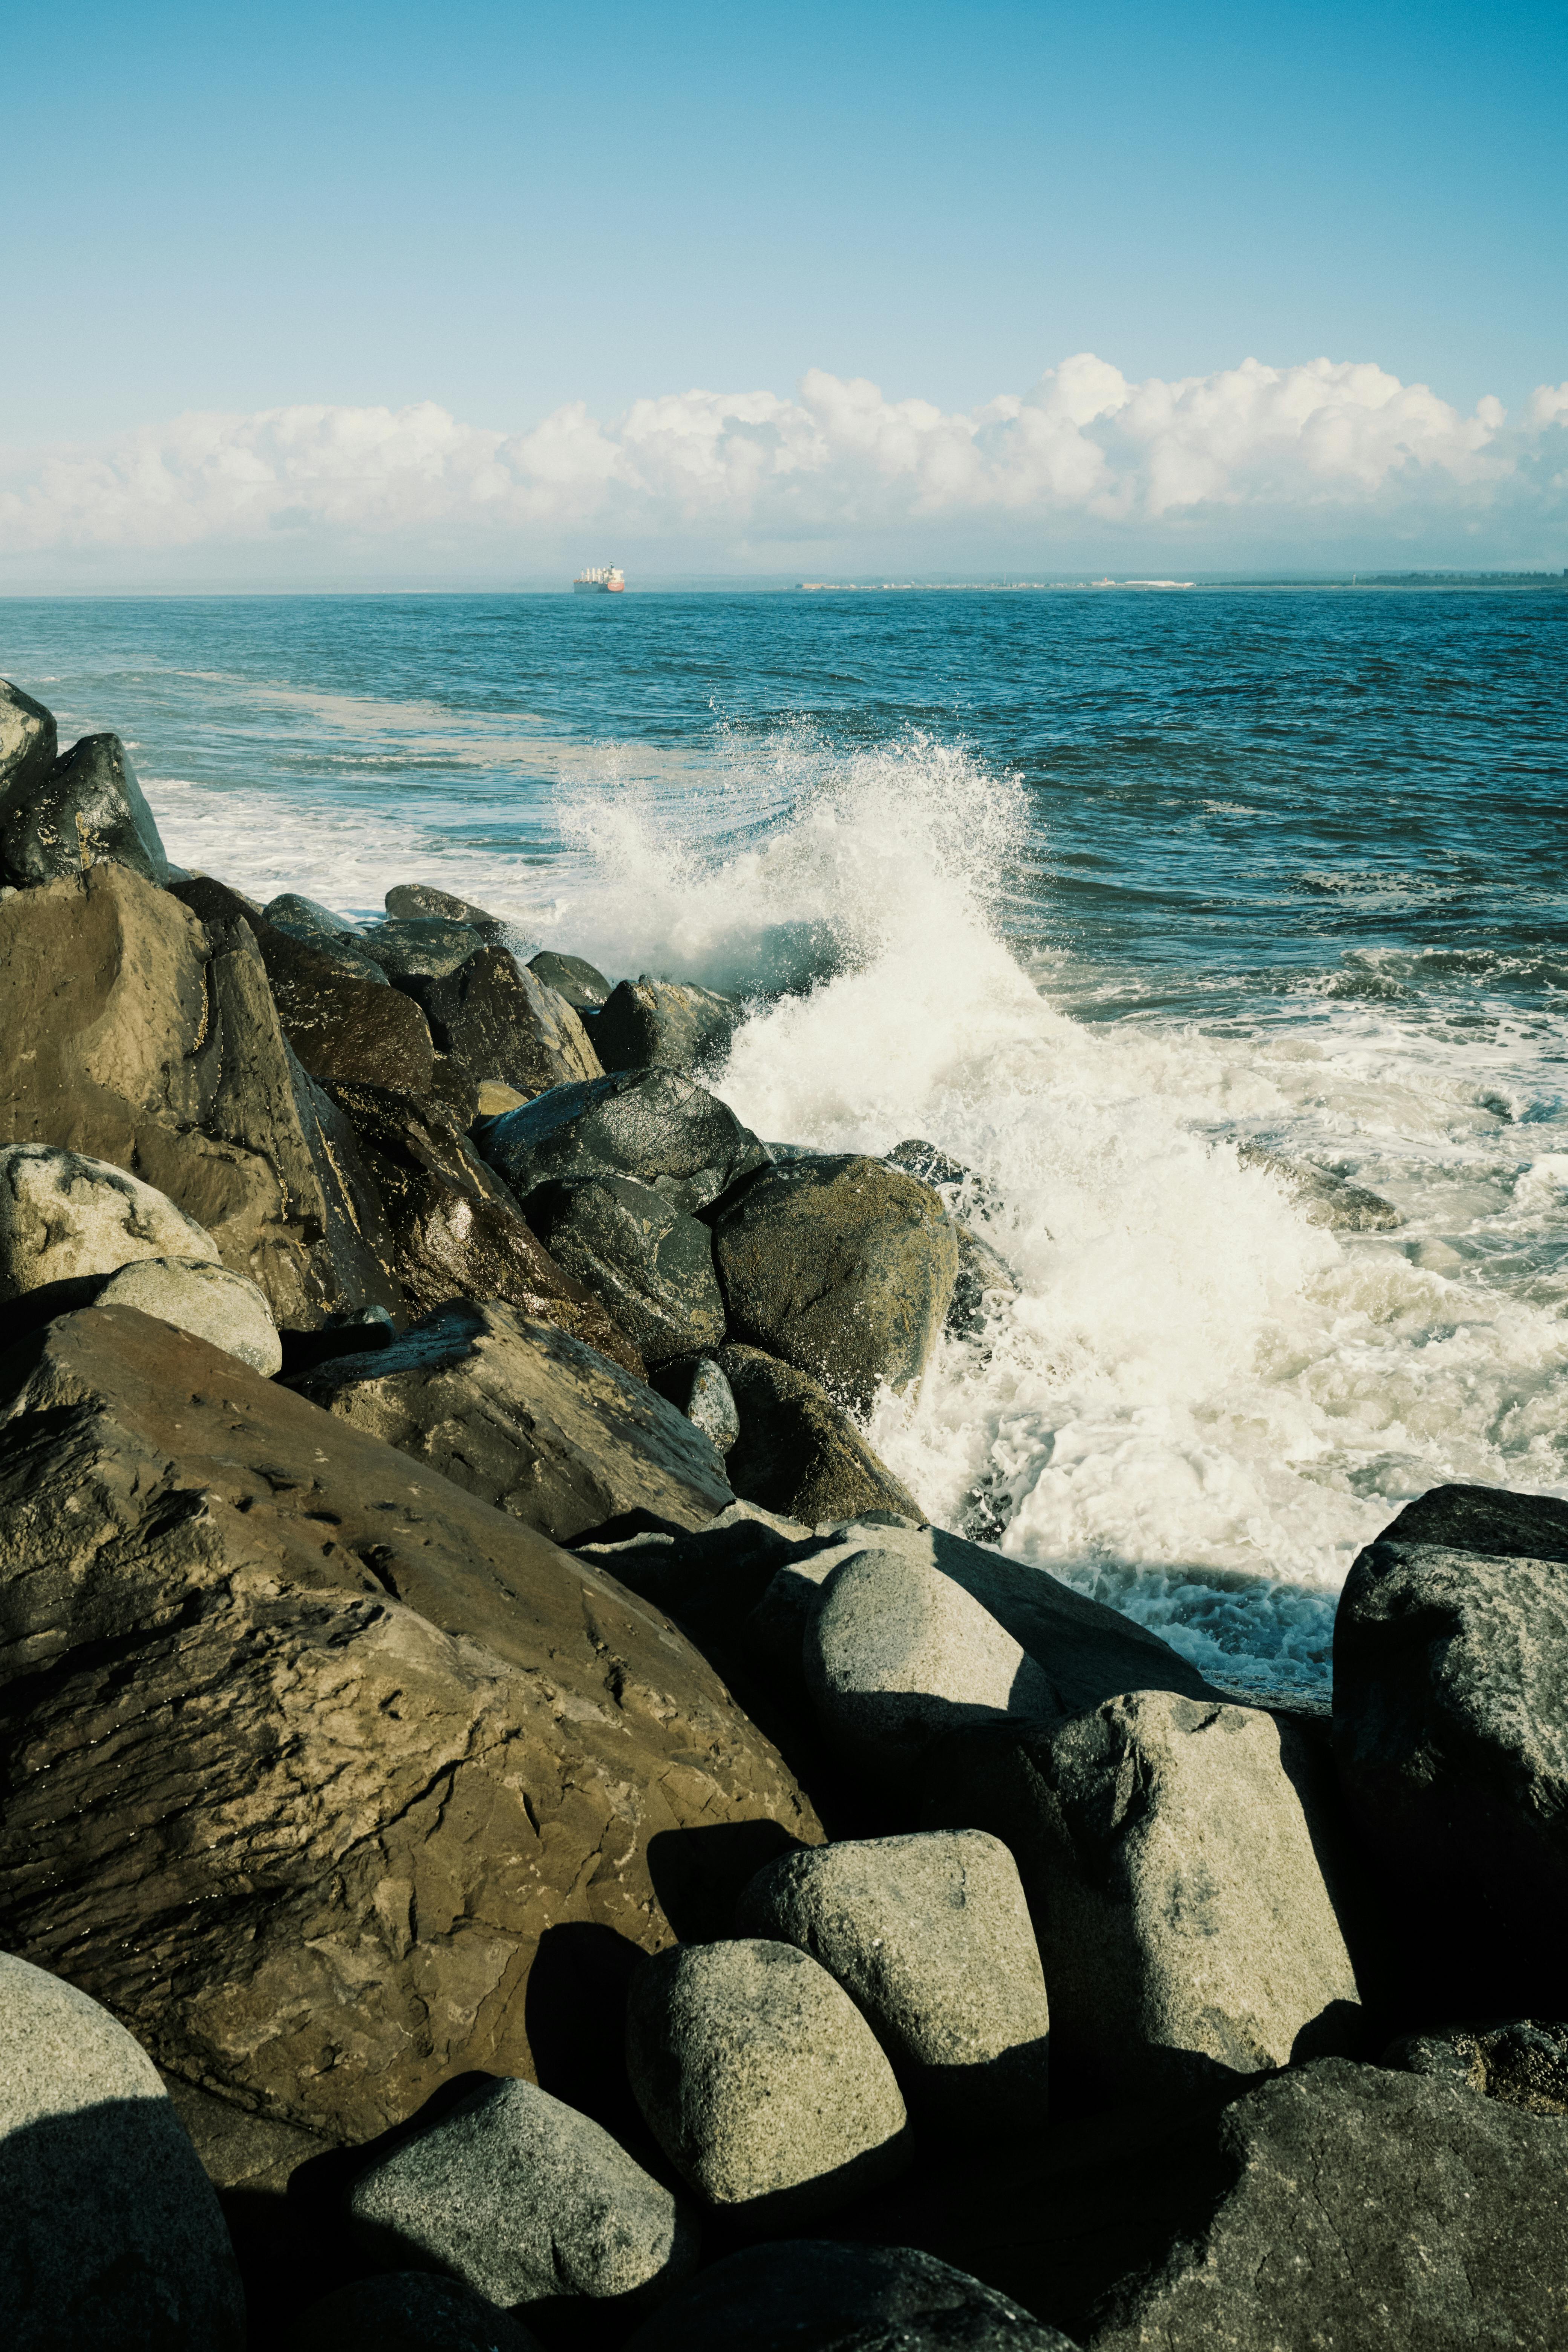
(1303, 457)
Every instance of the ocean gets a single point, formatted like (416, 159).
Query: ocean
(1087, 888)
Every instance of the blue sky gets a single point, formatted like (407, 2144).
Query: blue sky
(501, 211)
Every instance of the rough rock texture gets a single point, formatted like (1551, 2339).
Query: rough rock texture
(309, 914)
(1519, 2060)
(813, 2295)
(1341, 2206)
(986, 1285)
(648, 1024)
(131, 1032)
(419, 947)
(453, 1228)
(523, 2199)
(1173, 1854)
(1323, 1198)
(583, 984)
(698, 1387)
(113, 2234)
(298, 1731)
(761, 2080)
(648, 1262)
(798, 1452)
(844, 1267)
(655, 1125)
(896, 1654)
(529, 1419)
(194, 1294)
(63, 1215)
(1451, 1740)
(86, 808)
(406, 899)
(28, 743)
(497, 1020)
(408, 2311)
(931, 1937)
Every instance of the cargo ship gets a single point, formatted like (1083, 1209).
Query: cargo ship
(611, 581)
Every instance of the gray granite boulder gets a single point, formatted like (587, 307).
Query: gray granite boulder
(896, 1654)
(111, 2234)
(798, 1452)
(63, 1214)
(814, 2296)
(931, 1937)
(28, 744)
(698, 1387)
(651, 1022)
(843, 1266)
(524, 2199)
(1181, 1862)
(1451, 1741)
(648, 1263)
(85, 810)
(193, 1294)
(1519, 2060)
(528, 1418)
(655, 1125)
(407, 2311)
(761, 2080)
(496, 1020)
(581, 983)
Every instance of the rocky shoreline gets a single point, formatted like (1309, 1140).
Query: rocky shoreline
(518, 1831)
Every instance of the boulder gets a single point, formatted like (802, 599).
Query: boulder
(1338, 2205)
(649, 1263)
(87, 807)
(985, 1288)
(844, 1267)
(696, 1386)
(496, 1021)
(1323, 1198)
(814, 2296)
(419, 947)
(309, 917)
(1181, 1862)
(653, 1125)
(453, 1228)
(1451, 1741)
(112, 2233)
(130, 1031)
(414, 900)
(1519, 2060)
(63, 1215)
(652, 1022)
(896, 1654)
(800, 1454)
(528, 1418)
(929, 1935)
(194, 1294)
(581, 983)
(761, 2080)
(29, 746)
(524, 2201)
(298, 1728)
(407, 2311)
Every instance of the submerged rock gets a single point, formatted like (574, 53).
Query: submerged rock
(583, 984)
(800, 1454)
(651, 1022)
(86, 808)
(814, 2296)
(1323, 1198)
(653, 1125)
(648, 1262)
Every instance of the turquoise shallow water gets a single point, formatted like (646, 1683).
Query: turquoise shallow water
(1087, 887)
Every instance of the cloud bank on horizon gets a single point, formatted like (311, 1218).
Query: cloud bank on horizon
(1313, 459)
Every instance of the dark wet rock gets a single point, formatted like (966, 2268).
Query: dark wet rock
(86, 808)
(320, 1738)
(357, 1334)
(581, 983)
(408, 901)
(113, 2234)
(696, 1386)
(1174, 1856)
(844, 1267)
(1451, 1740)
(1344, 2205)
(814, 2296)
(454, 1229)
(496, 1021)
(986, 1285)
(237, 2149)
(529, 1419)
(1323, 1198)
(1519, 2059)
(649, 1263)
(965, 1192)
(800, 1454)
(407, 2311)
(648, 1024)
(932, 1938)
(133, 1033)
(525, 2201)
(419, 947)
(761, 2080)
(657, 1126)
(307, 916)
(29, 745)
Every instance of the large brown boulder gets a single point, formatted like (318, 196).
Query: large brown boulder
(497, 1020)
(798, 1452)
(304, 1749)
(132, 1032)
